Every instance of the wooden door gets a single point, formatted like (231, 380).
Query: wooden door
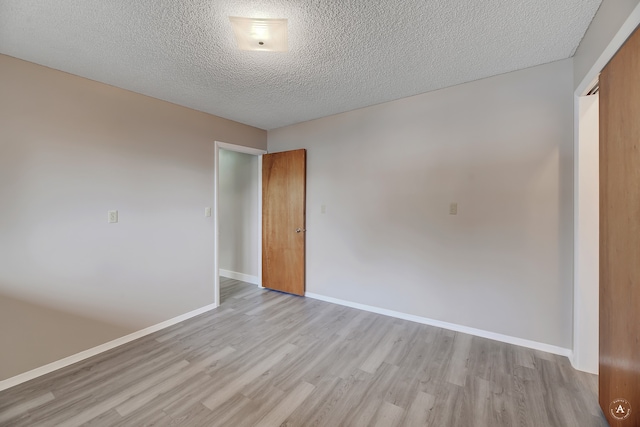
(283, 221)
(619, 375)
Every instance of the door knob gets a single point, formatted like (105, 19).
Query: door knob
(298, 230)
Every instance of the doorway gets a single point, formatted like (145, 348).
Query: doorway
(586, 235)
(585, 313)
(619, 373)
(617, 242)
(227, 233)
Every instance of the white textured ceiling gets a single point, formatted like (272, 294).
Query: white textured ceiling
(343, 54)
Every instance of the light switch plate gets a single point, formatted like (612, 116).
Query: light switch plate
(112, 217)
(207, 211)
(453, 209)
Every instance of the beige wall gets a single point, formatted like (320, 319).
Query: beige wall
(502, 149)
(70, 150)
(33, 335)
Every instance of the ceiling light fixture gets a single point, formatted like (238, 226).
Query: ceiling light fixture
(269, 35)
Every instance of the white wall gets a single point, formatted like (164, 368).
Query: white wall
(500, 147)
(70, 150)
(238, 213)
(605, 25)
(587, 259)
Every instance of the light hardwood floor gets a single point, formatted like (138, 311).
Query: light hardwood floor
(269, 359)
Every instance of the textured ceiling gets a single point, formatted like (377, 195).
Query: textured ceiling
(343, 54)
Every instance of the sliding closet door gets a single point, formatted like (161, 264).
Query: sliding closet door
(620, 236)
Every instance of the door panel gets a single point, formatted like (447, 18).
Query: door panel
(619, 376)
(283, 221)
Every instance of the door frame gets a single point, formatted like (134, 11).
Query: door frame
(216, 191)
(582, 357)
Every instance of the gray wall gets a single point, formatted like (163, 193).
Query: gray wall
(502, 149)
(238, 212)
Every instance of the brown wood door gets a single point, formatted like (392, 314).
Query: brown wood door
(619, 375)
(283, 221)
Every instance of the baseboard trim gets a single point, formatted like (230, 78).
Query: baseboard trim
(239, 276)
(70, 360)
(451, 326)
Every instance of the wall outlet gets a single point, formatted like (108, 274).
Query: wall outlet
(323, 209)
(207, 211)
(453, 209)
(112, 216)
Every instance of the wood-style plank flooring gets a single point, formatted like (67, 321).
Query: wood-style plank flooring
(265, 358)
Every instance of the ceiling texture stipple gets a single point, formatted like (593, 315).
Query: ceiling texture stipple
(342, 55)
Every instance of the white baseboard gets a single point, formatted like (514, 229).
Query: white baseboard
(239, 276)
(58, 364)
(53, 366)
(451, 326)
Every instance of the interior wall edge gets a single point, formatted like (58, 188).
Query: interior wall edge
(548, 348)
(630, 24)
(239, 276)
(70, 360)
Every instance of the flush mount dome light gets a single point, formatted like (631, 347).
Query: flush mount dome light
(268, 35)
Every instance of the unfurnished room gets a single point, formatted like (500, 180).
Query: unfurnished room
(320, 213)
